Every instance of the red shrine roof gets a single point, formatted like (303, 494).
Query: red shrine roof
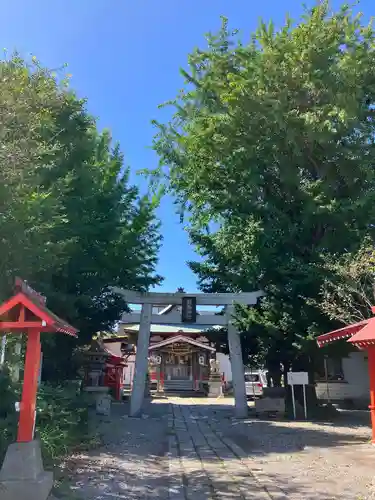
(366, 336)
(361, 334)
(341, 333)
(27, 309)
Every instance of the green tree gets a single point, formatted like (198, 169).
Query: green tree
(348, 292)
(270, 152)
(70, 222)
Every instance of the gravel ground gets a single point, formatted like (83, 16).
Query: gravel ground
(130, 465)
(308, 461)
(313, 461)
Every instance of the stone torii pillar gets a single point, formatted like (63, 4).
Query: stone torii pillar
(141, 361)
(238, 373)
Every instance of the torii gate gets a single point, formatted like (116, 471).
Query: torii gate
(188, 302)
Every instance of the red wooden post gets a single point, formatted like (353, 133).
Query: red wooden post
(371, 369)
(30, 387)
(119, 375)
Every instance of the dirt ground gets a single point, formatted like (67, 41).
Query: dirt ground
(277, 459)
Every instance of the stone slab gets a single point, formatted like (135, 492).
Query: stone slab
(22, 476)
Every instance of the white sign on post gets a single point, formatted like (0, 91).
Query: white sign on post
(298, 378)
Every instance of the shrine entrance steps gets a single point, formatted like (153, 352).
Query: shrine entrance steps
(181, 388)
(178, 385)
(185, 394)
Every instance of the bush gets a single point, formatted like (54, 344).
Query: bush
(8, 432)
(8, 393)
(61, 420)
(8, 420)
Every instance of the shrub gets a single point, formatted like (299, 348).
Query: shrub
(8, 420)
(61, 420)
(8, 393)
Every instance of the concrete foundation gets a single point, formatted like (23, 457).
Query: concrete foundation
(22, 476)
(101, 399)
(215, 389)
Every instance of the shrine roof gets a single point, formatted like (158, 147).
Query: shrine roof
(342, 333)
(183, 340)
(366, 336)
(116, 355)
(25, 298)
(171, 328)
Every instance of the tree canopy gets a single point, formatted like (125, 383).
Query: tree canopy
(70, 222)
(270, 156)
(348, 292)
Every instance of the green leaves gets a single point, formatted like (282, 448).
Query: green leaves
(271, 145)
(70, 223)
(348, 288)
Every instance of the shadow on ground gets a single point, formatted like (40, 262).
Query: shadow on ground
(133, 463)
(283, 436)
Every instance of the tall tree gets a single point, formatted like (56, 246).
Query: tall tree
(348, 292)
(271, 152)
(70, 222)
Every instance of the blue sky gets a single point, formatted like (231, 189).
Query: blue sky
(124, 56)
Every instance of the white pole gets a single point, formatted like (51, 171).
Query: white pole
(141, 361)
(294, 403)
(17, 364)
(238, 374)
(40, 369)
(326, 377)
(3, 346)
(304, 401)
(252, 382)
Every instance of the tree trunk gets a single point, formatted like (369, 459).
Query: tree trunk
(274, 373)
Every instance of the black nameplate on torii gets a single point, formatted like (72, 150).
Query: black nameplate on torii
(189, 310)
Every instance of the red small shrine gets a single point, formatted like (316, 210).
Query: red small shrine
(114, 373)
(361, 335)
(26, 313)
(108, 362)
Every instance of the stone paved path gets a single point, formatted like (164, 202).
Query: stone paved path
(203, 464)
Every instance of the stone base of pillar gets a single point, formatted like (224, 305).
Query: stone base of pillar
(101, 399)
(215, 389)
(22, 475)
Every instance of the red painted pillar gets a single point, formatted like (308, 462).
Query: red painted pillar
(371, 369)
(30, 387)
(119, 384)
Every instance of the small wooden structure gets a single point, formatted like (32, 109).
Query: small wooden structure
(114, 376)
(26, 312)
(361, 335)
(119, 351)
